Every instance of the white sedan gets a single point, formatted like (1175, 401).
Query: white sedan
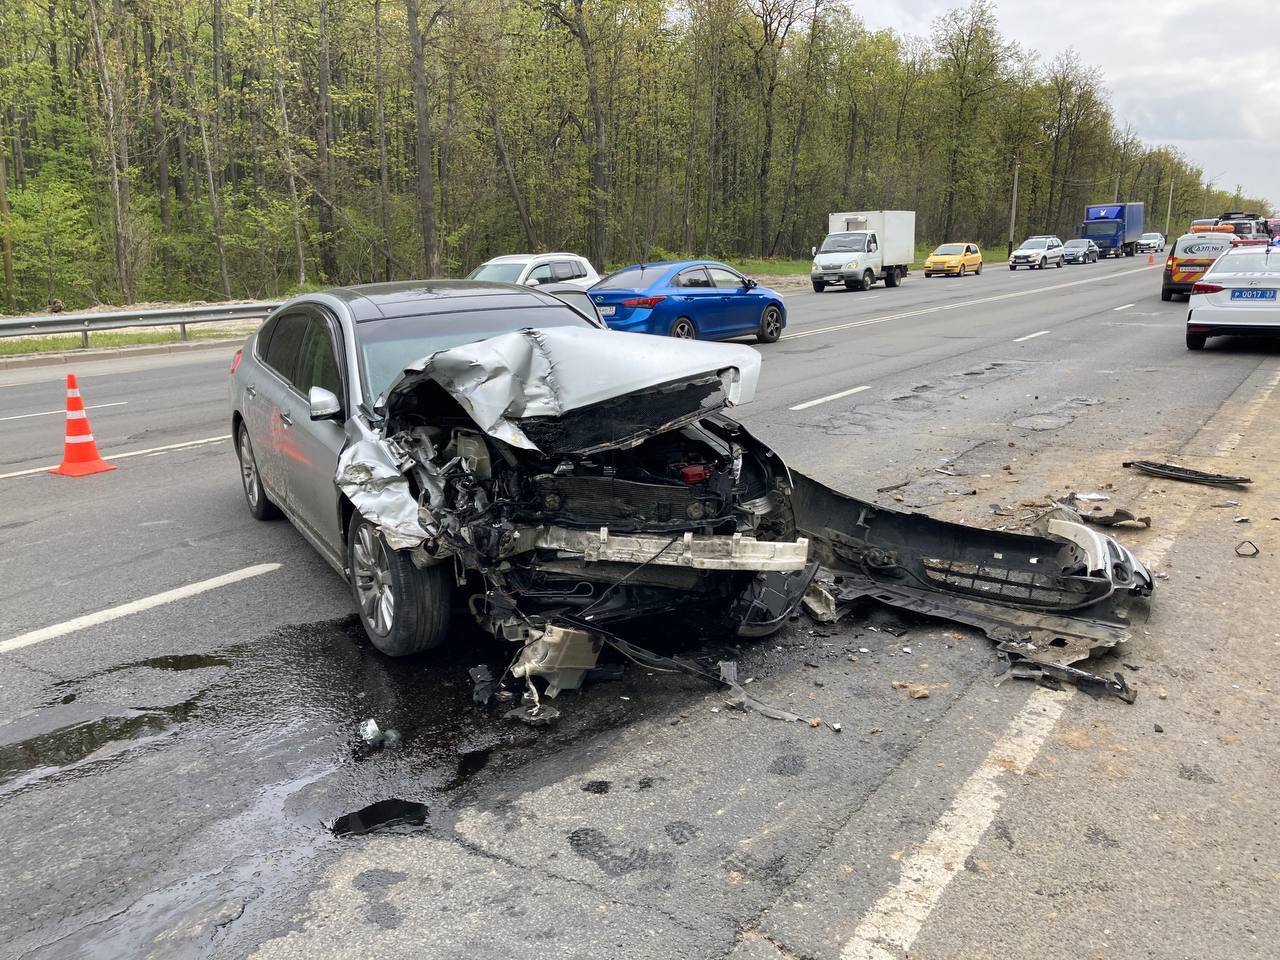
(1236, 297)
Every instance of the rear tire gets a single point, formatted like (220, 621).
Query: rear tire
(893, 277)
(1195, 341)
(255, 495)
(770, 325)
(1166, 294)
(404, 610)
(818, 286)
(683, 329)
(1059, 263)
(978, 270)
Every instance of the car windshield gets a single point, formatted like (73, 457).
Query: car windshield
(632, 278)
(844, 243)
(1103, 228)
(388, 346)
(504, 272)
(1076, 244)
(1239, 262)
(1034, 244)
(1151, 236)
(949, 250)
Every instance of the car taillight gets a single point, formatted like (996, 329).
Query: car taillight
(1169, 263)
(235, 361)
(1207, 288)
(648, 302)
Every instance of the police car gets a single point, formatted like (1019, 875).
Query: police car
(1237, 296)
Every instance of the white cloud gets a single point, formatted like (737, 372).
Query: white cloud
(1200, 75)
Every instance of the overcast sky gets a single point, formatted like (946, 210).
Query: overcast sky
(1201, 75)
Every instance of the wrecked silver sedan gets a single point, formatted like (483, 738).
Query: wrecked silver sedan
(485, 448)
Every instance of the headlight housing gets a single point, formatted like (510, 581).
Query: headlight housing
(851, 265)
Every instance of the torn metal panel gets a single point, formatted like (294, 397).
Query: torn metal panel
(551, 373)
(1053, 674)
(373, 477)
(1174, 472)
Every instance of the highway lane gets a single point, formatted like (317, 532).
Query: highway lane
(248, 747)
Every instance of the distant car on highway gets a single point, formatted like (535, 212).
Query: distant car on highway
(1191, 256)
(1037, 252)
(1236, 296)
(953, 260)
(535, 269)
(1153, 242)
(1080, 251)
(691, 300)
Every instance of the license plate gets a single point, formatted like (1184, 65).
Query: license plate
(606, 311)
(1253, 294)
(833, 277)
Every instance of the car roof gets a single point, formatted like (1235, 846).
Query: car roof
(675, 265)
(521, 257)
(378, 301)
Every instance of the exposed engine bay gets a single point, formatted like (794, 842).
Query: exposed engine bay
(568, 489)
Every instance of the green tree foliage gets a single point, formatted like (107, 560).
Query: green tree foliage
(159, 146)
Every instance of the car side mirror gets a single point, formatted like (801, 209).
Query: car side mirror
(532, 282)
(749, 284)
(324, 405)
(813, 251)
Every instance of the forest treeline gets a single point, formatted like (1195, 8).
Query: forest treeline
(199, 149)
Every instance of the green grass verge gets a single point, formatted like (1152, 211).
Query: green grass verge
(13, 346)
(773, 268)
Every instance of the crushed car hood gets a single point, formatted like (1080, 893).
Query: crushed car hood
(507, 383)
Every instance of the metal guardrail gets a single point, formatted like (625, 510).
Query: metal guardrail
(86, 323)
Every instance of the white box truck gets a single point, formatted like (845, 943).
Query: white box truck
(863, 247)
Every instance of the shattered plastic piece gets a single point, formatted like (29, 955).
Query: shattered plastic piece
(535, 715)
(1247, 548)
(562, 655)
(1052, 674)
(1240, 520)
(1175, 472)
(820, 603)
(1116, 517)
(1089, 496)
(391, 816)
(485, 684)
(370, 732)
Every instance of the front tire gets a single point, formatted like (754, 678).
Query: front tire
(683, 329)
(1195, 341)
(962, 271)
(255, 495)
(818, 286)
(770, 325)
(868, 281)
(403, 609)
(1043, 262)
(1012, 267)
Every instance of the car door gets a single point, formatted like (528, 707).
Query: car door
(540, 274)
(698, 299)
(311, 463)
(269, 427)
(875, 260)
(740, 308)
(973, 259)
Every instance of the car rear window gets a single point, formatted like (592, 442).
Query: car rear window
(631, 278)
(1200, 246)
(388, 346)
(1240, 262)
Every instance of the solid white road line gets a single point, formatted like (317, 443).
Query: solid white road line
(50, 413)
(1030, 336)
(133, 606)
(958, 305)
(1125, 307)
(890, 927)
(123, 456)
(832, 396)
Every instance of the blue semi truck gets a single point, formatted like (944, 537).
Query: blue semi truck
(1114, 227)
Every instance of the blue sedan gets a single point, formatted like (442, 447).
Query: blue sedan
(692, 300)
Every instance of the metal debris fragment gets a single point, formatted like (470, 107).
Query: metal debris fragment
(1175, 472)
(1052, 675)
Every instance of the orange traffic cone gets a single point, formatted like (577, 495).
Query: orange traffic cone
(79, 454)
(1151, 258)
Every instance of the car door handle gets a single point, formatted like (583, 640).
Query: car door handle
(250, 389)
(288, 420)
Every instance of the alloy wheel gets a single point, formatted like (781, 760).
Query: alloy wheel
(772, 323)
(248, 470)
(684, 330)
(371, 571)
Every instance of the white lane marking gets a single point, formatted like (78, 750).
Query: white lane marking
(1030, 336)
(891, 926)
(1125, 307)
(134, 606)
(831, 396)
(123, 456)
(956, 306)
(50, 413)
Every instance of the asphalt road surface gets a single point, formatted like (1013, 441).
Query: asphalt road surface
(172, 771)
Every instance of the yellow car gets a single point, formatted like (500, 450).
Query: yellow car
(954, 259)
